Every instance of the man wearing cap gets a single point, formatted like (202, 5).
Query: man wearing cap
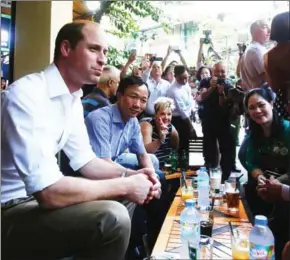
(252, 63)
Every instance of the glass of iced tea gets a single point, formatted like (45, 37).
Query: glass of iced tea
(232, 195)
(240, 246)
(206, 221)
(186, 188)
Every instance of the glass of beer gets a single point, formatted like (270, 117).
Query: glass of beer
(206, 221)
(232, 195)
(240, 246)
(186, 188)
(167, 168)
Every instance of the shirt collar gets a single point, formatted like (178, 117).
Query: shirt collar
(117, 118)
(56, 84)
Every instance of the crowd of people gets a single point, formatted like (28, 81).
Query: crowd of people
(115, 141)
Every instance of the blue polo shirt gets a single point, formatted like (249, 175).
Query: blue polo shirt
(110, 136)
(95, 100)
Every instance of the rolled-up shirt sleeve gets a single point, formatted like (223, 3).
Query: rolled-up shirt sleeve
(77, 147)
(24, 132)
(285, 192)
(98, 127)
(136, 145)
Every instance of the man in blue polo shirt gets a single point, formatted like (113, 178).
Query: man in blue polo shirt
(115, 128)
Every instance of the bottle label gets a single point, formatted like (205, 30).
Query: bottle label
(193, 253)
(190, 229)
(261, 252)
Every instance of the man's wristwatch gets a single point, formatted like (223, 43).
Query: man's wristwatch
(123, 174)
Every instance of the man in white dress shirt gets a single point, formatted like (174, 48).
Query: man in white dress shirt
(46, 215)
(252, 62)
(157, 86)
(180, 92)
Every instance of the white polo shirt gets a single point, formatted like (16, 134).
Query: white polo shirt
(181, 94)
(252, 66)
(39, 118)
(157, 89)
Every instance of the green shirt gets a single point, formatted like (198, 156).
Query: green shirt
(273, 154)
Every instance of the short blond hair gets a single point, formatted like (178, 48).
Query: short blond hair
(163, 103)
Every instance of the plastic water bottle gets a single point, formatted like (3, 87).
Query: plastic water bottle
(189, 228)
(203, 188)
(261, 240)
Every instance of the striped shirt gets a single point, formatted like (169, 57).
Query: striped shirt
(165, 149)
(95, 100)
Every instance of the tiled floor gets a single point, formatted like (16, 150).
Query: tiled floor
(197, 159)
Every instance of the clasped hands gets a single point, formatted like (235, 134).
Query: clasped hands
(155, 190)
(269, 189)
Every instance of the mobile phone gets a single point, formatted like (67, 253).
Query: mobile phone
(156, 59)
(134, 52)
(268, 174)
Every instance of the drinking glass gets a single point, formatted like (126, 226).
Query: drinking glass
(215, 181)
(232, 195)
(186, 188)
(240, 246)
(206, 221)
(201, 251)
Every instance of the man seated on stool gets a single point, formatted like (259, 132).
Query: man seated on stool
(114, 129)
(46, 215)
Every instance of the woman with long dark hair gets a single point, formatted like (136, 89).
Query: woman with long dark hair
(268, 152)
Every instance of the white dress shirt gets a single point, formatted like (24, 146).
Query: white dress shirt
(39, 118)
(181, 94)
(157, 89)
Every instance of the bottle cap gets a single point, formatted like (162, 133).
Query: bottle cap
(261, 220)
(189, 203)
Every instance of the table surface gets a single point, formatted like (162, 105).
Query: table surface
(176, 175)
(169, 236)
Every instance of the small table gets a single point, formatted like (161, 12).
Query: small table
(169, 236)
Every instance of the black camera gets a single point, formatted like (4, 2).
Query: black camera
(207, 39)
(221, 81)
(242, 48)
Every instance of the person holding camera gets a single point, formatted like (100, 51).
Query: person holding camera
(216, 120)
(177, 50)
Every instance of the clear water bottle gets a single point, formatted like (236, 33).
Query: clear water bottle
(262, 241)
(189, 228)
(203, 188)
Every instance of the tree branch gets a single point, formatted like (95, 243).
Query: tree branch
(105, 5)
